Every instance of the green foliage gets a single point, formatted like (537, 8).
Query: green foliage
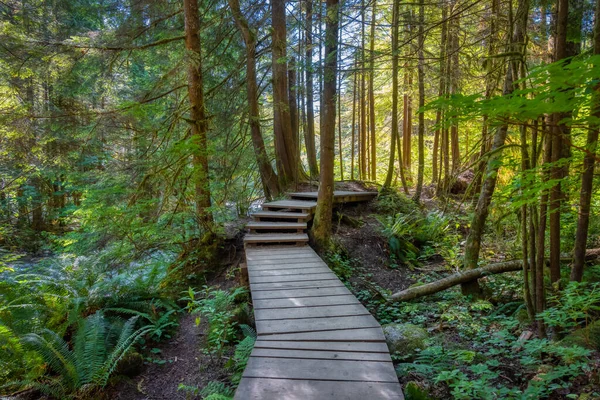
(393, 202)
(576, 306)
(242, 353)
(408, 233)
(99, 344)
(340, 264)
(214, 390)
(220, 308)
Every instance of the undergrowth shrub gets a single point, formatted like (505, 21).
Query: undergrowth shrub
(98, 346)
(220, 308)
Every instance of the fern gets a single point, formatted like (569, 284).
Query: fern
(216, 390)
(92, 360)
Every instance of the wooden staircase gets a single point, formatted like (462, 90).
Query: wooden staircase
(286, 221)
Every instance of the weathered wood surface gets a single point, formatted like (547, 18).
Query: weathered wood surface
(262, 215)
(315, 339)
(339, 196)
(291, 205)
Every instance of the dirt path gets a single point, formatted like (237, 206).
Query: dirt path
(185, 364)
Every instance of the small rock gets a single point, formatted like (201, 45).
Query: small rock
(404, 338)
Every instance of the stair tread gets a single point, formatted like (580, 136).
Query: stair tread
(281, 214)
(298, 204)
(275, 237)
(275, 225)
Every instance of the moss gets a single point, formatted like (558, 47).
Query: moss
(404, 338)
(412, 391)
(588, 337)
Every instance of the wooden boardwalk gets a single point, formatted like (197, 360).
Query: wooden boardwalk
(315, 339)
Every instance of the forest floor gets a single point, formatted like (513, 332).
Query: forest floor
(178, 361)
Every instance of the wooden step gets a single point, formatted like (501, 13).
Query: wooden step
(276, 226)
(262, 215)
(308, 206)
(339, 196)
(267, 238)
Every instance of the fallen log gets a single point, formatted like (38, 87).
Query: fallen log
(473, 274)
(456, 279)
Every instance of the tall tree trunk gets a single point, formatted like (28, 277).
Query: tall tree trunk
(490, 84)
(438, 113)
(287, 164)
(395, 57)
(373, 169)
(363, 100)
(339, 97)
(322, 224)
(556, 172)
(454, 89)
(267, 174)
(587, 178)
(199, 123)
(354, 100)
(473, 244)
(421, 78)
(309, 136)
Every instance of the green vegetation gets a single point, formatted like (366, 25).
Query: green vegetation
(136, 135)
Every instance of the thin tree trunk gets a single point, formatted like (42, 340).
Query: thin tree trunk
(199, 123)
(322, 223)
(282, 119)
(267, 174)
(339, 97)
(373, 144)
(421, 78)
(473, 245)
(587, 178)
(395, 57)
(354, 100)
(363, 102)
(438, 113)
(556, 194)
(309, 136)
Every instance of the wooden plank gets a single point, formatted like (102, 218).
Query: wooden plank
(344, 335)
(288, 271)
(331, 282)
(363, 347)
(259, 225)
(290, 204)
(264, 254)
(306, 301)
(338, 370)
(299, 259)
(300, 293)
(259, 266)
(275, 237)
(327, 311)
(320, 355)
(292, 278)
(284, 389)
(281, 215)
(315, 324)
(282, 249)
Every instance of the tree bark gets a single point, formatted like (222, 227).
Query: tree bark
(457, 279)
(267, 174)
(395, 57)
(199, 123)
(363, 101)
(556, 172)
(473, 244)
(373, 147)
(441, 90)
(322, 223)
(309, 137)
(287, 164)
(421, 78)
(587, 178)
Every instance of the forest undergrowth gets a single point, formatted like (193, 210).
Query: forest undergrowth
(457, 347)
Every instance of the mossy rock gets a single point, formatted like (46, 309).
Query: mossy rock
(404, 338)
(412, 391)
(588, 337)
